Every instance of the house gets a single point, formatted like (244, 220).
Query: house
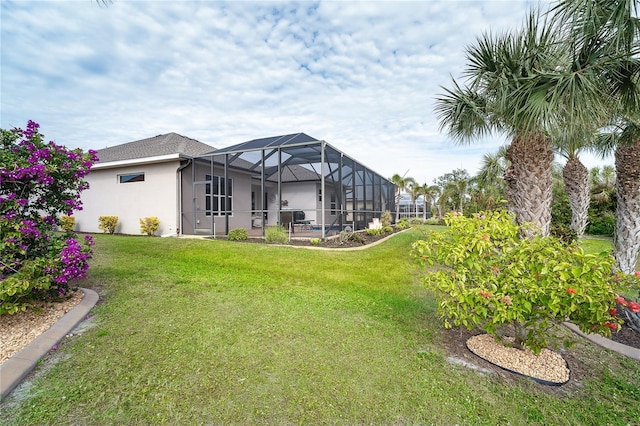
(294, 180)
(136, 180)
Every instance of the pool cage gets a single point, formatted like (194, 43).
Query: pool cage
(293, 180)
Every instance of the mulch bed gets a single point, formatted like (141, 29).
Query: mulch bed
(331, 242)
(627, 336)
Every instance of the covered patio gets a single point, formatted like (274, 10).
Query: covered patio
(296, 181)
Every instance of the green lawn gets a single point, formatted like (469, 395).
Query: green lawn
(212, 332)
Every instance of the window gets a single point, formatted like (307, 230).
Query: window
(133, 177)
(218, 196)
(319, 194)
(333, 203)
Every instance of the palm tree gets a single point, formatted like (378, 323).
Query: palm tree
(488, 187)
(576, 180)
(454, 187)
(605, 34)
(500, 97)
(415, 190)
(602, 183)
(493, 167)
(401, 183)
(432, 194)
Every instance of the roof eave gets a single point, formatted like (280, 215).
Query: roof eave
(139, 161)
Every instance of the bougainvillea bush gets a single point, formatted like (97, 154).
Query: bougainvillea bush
(487, 277)
(39, 182)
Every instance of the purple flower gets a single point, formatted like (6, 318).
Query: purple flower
(29, 229)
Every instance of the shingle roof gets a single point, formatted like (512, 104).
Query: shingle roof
(171, 143)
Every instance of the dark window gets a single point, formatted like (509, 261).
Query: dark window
(133, 177)
(216, 201)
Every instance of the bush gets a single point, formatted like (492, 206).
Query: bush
(601, 225)
(374, 231)
(67, 223)
(489, 278)
(434, 221)
(564, 233)
(417, 221)
(39, 182)
(385, 219)
(108, 224)
(387, 229)
(314, 241)
(238, 234)
(148, 225)
(403, 224)
(629, 310)
(276, 234)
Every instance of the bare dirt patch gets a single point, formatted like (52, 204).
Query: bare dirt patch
(18, 330)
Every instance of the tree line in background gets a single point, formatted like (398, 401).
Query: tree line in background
(461, 192)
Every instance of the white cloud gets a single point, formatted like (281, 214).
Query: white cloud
(360, 75)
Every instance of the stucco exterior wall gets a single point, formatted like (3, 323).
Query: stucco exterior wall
(155, 196)
(302, 196)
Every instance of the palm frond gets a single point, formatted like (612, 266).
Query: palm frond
(462, 113)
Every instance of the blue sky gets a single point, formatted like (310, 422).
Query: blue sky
(361, 75)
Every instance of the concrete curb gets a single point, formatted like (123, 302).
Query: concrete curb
(606, 343)
(16, 368)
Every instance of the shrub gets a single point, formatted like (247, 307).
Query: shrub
(67, 223)
(238, 234)
(39, 182)
(108, 224)
(314, 241)
(564, 233)
(417, 221)
(403, 224)
(387, 229)
(601, 225)
(434, 221)
(489, 278)
(629, 310)
(345, 236)
(374, 231)
(352, 236)
(385, 219)
(276, 234)
(148, 225)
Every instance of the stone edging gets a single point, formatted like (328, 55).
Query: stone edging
(606, 343)
(16, 368)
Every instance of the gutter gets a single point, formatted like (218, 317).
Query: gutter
(179, 180)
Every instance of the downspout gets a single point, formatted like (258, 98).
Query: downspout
(179, 179)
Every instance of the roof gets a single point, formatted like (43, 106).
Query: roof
(161, 145)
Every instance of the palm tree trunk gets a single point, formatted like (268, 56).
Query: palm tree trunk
(626, 240)
(529, 181)
(576, 183)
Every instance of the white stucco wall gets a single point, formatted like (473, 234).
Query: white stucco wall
(156, 196)
(302, 196)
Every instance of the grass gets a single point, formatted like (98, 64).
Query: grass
(214, 332)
